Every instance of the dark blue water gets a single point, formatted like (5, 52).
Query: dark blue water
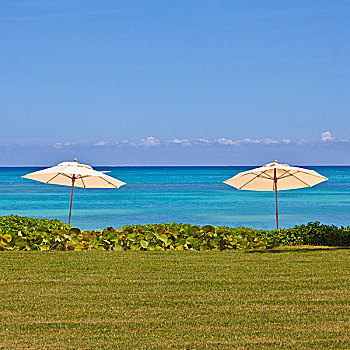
(182, 194)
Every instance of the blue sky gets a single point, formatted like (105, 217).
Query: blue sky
(174, 82)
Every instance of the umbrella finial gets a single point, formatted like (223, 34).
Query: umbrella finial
(75, 159)
(275, 161)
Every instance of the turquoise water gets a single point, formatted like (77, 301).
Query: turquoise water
(182, 194)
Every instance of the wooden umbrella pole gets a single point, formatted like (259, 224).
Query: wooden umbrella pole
(275, 185)
(71, 199)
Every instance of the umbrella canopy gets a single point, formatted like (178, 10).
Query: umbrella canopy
(263, 178)
(274, 177)
(84, 176)
(74, 174)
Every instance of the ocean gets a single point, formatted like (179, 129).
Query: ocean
(177, 194)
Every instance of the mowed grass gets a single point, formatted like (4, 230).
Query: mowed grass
(290, 298)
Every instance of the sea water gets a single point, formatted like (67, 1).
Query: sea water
(194, 195)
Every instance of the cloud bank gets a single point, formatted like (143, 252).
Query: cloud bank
(328, 150)
(152, 141)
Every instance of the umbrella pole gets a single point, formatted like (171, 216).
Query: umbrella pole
(71, 199)
(275, 186)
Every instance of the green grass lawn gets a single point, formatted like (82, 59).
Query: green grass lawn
(290, 298)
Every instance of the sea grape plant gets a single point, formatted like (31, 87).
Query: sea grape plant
(21, 233)
(18, 233)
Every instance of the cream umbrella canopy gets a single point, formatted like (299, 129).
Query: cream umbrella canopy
(274, 177)
(74, 174)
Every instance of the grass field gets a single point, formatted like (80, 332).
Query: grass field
(291, 298)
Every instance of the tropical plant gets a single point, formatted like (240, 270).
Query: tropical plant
(22, 233)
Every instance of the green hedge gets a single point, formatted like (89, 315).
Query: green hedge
(22, 233)
(314, 233)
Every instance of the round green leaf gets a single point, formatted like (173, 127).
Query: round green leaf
(144, 244)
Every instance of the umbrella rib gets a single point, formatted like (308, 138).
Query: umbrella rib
(268, 176)
(258, 175)
(262, 173)
(302, 181)
(53, 177)
(69, 177)
(108, 181)
(83, 182)
(293, 175)
(283, 176)
(63, 174)
(81, 178)
(304, 172)
(296, 172)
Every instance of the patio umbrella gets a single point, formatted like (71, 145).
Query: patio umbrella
(274, 177)
(74, 174)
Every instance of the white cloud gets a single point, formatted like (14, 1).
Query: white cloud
(302, 142)
(180, 142)
(64, 144)
(248, 140)
(126, 142)
(224, 141)
(327, 136)
(149, 141)
(269, 141)
(203, 140)
(266, 141)
(101, 143)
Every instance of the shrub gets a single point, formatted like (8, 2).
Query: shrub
(18, 232)
(21, 233)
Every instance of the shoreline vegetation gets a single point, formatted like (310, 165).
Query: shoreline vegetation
(250, 295)
(25, 234)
